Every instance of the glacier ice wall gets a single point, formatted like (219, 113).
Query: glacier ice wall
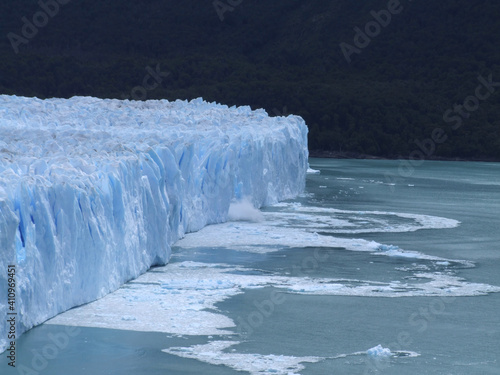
(93, 192)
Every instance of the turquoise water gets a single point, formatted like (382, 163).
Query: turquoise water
(375, 273)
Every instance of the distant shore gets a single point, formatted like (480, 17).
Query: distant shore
(357, 155)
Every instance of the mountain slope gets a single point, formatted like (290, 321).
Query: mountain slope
(284, 56)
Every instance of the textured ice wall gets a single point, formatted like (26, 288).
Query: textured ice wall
(93, 192)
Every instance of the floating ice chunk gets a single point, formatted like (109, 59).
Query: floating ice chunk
(379, 352)
(181, 297)
(443, 263)
(313, 171)
(255, 364)
(280, 230)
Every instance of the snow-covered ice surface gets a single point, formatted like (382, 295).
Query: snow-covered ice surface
(93, 192)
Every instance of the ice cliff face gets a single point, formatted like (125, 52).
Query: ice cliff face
(93, 192)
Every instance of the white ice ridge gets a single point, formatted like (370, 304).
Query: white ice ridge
(93, 192)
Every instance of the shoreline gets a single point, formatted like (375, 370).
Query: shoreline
(356, 155)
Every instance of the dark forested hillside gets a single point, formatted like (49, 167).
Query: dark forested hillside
(386, 78)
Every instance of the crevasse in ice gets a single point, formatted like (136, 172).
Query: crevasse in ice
(94, 192)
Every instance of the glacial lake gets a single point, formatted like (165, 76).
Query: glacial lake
(375, 269)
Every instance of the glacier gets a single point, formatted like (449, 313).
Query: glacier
(93, 192)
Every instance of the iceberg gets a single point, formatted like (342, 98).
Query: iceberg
(379, 352)
(93, 192)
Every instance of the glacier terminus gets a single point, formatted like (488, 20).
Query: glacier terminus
(93, 192)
